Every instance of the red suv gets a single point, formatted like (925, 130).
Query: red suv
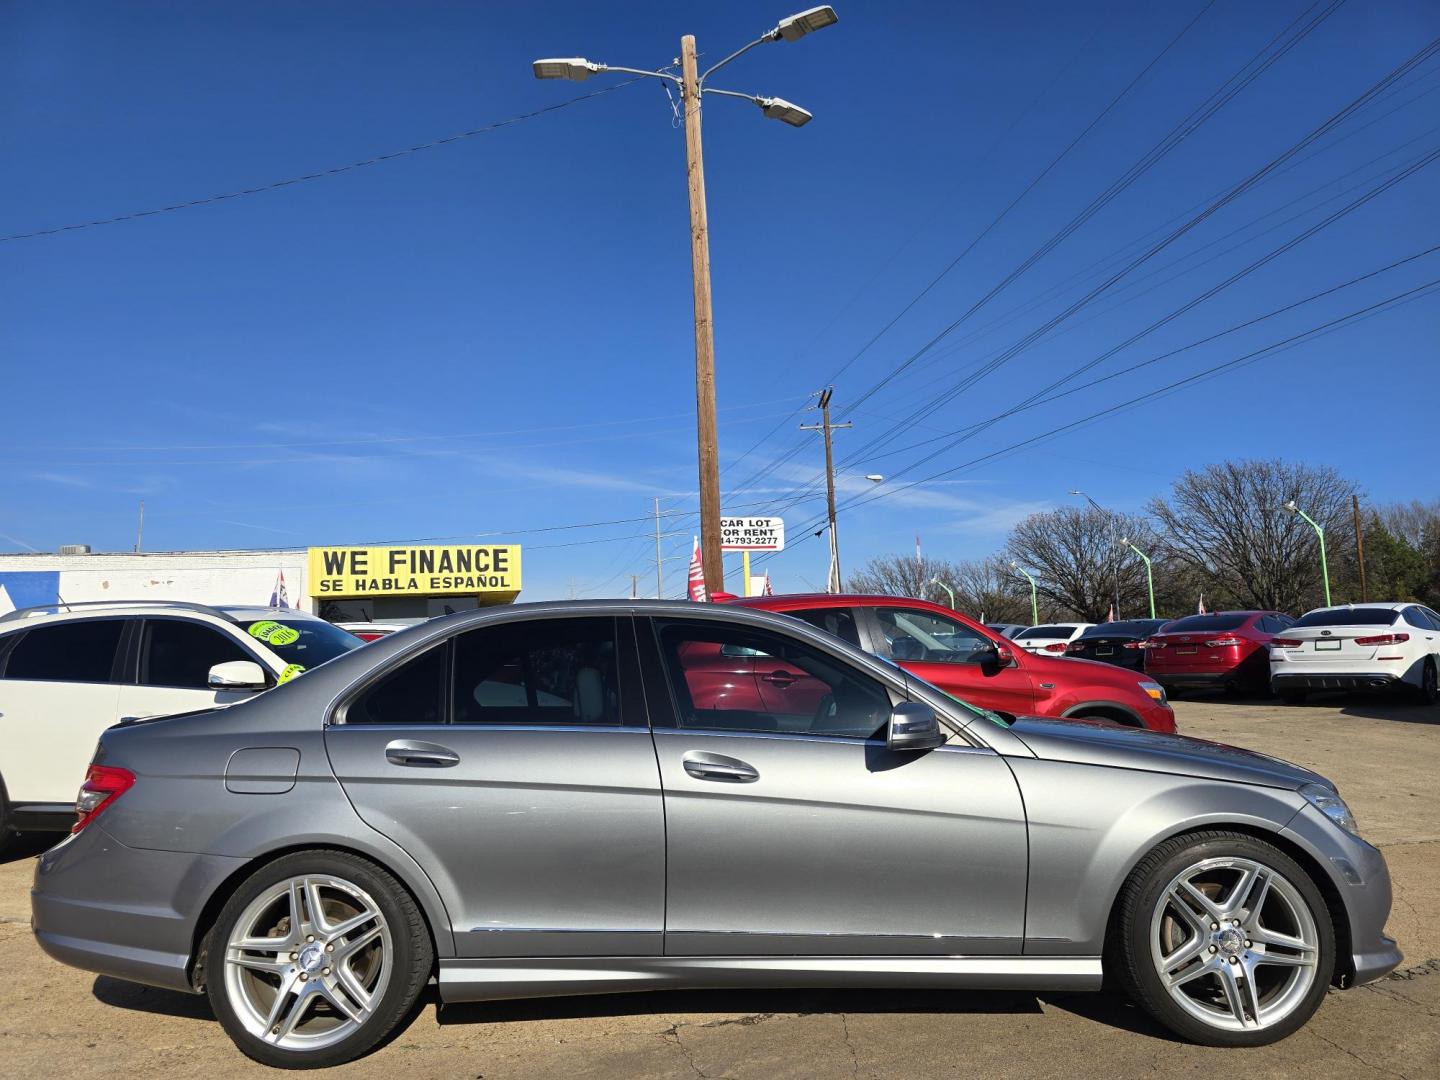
(1228, 650)
(955, 653)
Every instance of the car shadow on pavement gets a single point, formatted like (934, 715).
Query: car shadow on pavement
(745, 1006)
(151, 999)
(27, 846)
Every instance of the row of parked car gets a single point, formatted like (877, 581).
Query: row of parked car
(1380, 646)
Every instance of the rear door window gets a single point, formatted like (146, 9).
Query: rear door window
(923, 636)
(833, 620)
(176, 652)
(81, 652)
(1046, 632)
(547, 671)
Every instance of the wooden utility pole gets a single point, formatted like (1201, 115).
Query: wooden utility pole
(710, 557)
(832, 581)
(1359, 545)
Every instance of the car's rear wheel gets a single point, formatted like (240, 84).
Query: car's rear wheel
(1429, 691)
(1224, 939)
(315, 959)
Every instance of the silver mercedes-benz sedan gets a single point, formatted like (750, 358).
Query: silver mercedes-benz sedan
(582, 798)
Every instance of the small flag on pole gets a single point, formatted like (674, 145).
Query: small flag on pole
(697, 575)
(1111, 617)
(918, 557)
(1200, 608)
(768, 591)
(278, 596)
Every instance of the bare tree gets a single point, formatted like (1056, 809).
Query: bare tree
(901, 575)
(1228, 522)
(1076, 558)
(1410, 521)
(987, 589)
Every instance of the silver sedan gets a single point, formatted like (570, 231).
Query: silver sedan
(593, 797)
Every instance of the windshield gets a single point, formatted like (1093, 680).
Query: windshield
(1046, 631)
(1133, 628)
(1197, 623)
(1348, 617)
(985, 714)
(302, 643)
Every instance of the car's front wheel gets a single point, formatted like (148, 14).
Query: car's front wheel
(315, 959)
(1224, 939)
(1429, 692)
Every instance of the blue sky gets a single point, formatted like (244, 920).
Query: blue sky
(493, 337)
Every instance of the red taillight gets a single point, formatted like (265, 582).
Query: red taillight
(1224, 642)
(1151, 643)
(1134, 645)
(1285, 643)
(1059, 646)
(1382, 639)
(103, 785)
(368, 635)
(1075, 646)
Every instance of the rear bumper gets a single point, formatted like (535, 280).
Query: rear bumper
(1195, 680)
(1335, 680)
(125, 912)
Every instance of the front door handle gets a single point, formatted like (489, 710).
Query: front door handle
(422, 755)
(781, 679)
(727, 770)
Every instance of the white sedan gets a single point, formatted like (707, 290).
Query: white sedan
(1358, 647)
(1050, 639)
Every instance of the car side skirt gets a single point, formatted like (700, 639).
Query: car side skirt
(499, 979)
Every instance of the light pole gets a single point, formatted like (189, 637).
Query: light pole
(1149, 574)
(1319, 532)
(692, 87)
(1034, 597)
(950, 591)
(1115, 521)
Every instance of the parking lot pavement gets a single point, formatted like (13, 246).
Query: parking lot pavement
(58, 1022)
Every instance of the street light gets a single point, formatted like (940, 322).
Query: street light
(1319, 532)
(937, 581)
(1116, 522)
(1149, 575)
(692, 86)
(1034, 597)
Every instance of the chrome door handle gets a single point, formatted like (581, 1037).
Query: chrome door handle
(420, 754)
(718, 767)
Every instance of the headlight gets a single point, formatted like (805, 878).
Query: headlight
(1154, 689)
(1329, 803)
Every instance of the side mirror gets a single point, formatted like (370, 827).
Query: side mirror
(1005, 656)
(913, 726)
(237, 675)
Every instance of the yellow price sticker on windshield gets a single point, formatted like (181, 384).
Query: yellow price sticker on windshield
(291, 670)
(273, 633)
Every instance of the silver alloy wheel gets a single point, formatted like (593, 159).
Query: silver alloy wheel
(307, 962)
(1234, 943)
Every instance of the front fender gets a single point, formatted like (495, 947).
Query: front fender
(1089, 825)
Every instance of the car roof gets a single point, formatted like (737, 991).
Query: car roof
(821, 599)
(250, 614)
(1382, 606)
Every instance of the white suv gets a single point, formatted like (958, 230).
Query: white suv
(1358, 647)
(67, 672)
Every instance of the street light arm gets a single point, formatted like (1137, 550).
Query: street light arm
(754, 99)
(636, 71)
(773, 35)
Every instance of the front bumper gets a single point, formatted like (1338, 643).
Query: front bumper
(1335, 680)
(1362, 880)
(125, 912)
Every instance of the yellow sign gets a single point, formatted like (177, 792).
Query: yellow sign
(453, 570)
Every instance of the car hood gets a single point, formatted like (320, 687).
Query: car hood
(1068, 666)
(1091, 743)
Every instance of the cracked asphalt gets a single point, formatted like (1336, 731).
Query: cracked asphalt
(59, 1022)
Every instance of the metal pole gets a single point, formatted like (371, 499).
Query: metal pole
(1359, 545)
(140, 531)
(1324, 566)
(1149, 575)
(659, 562)
(710, 556)
(1034, 597)
(950, 591)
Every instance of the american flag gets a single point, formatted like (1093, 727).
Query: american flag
(278, 597)
(768, 591)
(1200, 607)
(697, 576)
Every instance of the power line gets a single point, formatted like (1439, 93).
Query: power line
(323, 174)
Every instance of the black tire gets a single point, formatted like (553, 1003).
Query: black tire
(412, 962)
(7, 833)
(1128, 950)
(1429, 691)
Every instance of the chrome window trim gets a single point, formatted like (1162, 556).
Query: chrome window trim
(800, 736)
(602, 729)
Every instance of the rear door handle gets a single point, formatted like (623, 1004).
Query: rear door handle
(422, 755)
(726, 770)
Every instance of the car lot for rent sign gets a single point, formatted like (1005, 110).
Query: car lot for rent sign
(752, 534)
(455, 570)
